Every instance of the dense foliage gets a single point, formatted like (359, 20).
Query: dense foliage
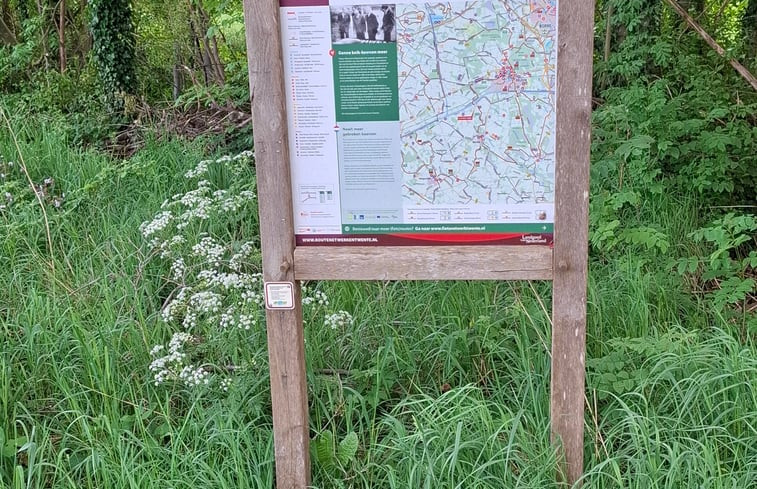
(675, 119)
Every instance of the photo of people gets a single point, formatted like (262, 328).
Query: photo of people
(363, 23)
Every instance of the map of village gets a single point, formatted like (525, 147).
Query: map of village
(477, 101)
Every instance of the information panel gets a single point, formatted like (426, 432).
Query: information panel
(416, 123)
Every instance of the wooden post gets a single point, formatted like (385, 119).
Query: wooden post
(286, 347)
(574, 73)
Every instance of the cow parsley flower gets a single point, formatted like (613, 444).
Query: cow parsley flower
(159, 223)
(338, 320)
(194, 376)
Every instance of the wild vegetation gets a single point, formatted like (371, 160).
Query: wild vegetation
(133, 339)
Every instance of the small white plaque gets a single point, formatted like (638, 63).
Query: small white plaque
(279, 295)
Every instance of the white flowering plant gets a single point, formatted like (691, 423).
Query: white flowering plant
(206, 242)
(339, 320)
(10, 185)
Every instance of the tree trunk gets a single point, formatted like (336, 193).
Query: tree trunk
(178, 74)
(211, 46)
(62, 36)
(7, 17)
(6, 34)
(219, 70)
(207, 47)
(199, 52)
(608, 33)
(113, 39)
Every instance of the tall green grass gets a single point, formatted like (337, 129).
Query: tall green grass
(445, 384)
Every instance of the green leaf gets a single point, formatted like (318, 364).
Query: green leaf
(682, 265)
(634, 146)
(717, 113)
(323, 450)
(13, 445)
(619, 199)
(347, 448)
(733, 290)
(162, 430)
(752, 325)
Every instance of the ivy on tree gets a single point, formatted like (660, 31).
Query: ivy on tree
(113, 46)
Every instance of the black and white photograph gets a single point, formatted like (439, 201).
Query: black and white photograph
(364, 23)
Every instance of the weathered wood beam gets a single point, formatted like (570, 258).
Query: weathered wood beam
(423, 263)
(286, 346)
(571, 241)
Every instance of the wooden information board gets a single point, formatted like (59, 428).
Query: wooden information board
(372, 165)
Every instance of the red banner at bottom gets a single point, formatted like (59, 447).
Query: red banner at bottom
(512, 239)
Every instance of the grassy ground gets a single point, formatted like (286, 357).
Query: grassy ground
(442, 384)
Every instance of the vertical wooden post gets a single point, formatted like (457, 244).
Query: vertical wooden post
(574, 77)
(286, 347)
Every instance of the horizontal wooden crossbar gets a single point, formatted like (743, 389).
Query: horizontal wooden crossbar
(423, 263)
